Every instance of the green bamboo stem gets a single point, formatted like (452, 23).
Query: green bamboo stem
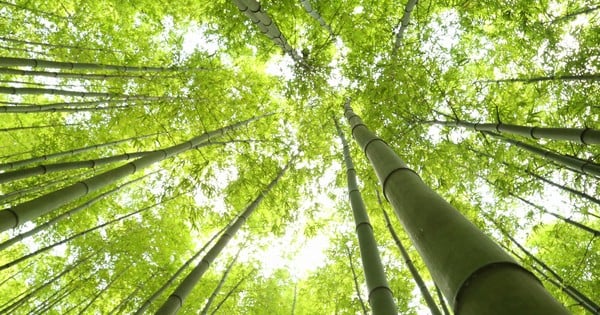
(79, 76)
(48, 64)
(558, 216)
(235, 287)
(404, 21)
(579, 135)
(216, 291)
(67, 214)
(144, 307)
(442, 301)
(315, 15)
(29, 210)
(177, 298)
(72, 152)
(564, 77)
(474, 273)
(44, 109)
(573, 163)
(37, 127)
(72, 106)
(32, 43)
(38, 91)
(409, 263)
(381, 297)
(541, 178)
(65, 166)
(252, 9)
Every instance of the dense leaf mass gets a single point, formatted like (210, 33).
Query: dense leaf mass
(186, 68)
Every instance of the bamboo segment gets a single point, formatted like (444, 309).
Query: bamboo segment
(474, 273)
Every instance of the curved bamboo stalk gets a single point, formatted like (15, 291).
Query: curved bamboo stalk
(315, 15)
(80, 76)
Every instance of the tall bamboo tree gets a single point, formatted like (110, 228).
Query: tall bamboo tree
(474, 273)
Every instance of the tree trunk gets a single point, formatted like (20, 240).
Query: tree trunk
(573, 163)
(37, 127)
(471, 270)
(214, 293)
(579, 135)
(356, 285)
(25, 108)
(80, 76)
(177, 298)
(409, 263)
(381, 297)
(19, 214)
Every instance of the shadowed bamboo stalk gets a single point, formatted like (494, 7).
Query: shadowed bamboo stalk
(39, 91)
(82, 233)
(236, 286)
(65, 166)
(177, 298)
(315, 15)
(473, 272)
(19, 214)
(144, 307)
(80, 76)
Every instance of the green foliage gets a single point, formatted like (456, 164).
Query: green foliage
(471, 60)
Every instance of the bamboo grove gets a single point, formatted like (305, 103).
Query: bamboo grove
(299, 157)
